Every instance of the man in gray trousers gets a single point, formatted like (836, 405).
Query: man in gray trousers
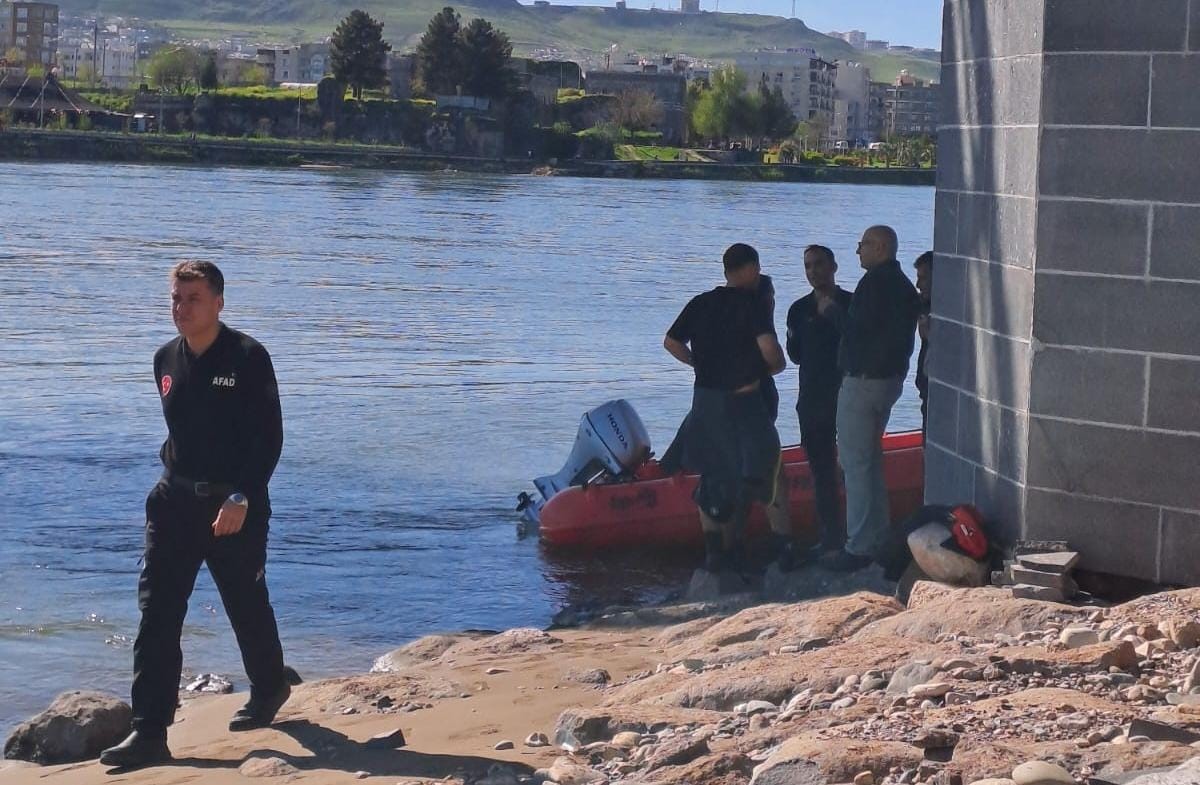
(877, 343)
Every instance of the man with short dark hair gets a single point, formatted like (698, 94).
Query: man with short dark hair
(727, 336)
(812, 346)
(876, 346)
(224, 436)
(924, 268)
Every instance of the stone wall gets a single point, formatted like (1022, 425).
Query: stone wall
(1065, 391)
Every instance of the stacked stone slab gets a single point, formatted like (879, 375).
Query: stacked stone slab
(1065, 365)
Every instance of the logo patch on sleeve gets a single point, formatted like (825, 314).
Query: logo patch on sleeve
(166, 385)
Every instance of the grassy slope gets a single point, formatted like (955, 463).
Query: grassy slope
(576, 31)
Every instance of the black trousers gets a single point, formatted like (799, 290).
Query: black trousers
(818, 435)
(179, 539)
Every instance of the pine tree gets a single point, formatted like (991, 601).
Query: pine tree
(209, 77)
(485, 53)
(358, 53)
(439, 58)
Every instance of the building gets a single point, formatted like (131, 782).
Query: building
(851, 105)
(912, 107)
(669, 88)
(877, 45)
(402, 69)
(5, 28)
(104, 58)
(877, 110)
(303, 63)
(807, 81)
(689, 6)
(34, 30)
(856, 38)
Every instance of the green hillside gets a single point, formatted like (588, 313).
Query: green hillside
(576, 32)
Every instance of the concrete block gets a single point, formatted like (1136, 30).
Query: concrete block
(1175, 244)
(1115, 26)
(1173, 103)
(999, 298)
(1025, 591)
(967, 160)
(1000, 368)
(975, 216)
(993, 436)
(948, 478)
(945, 223)
(1114, 463)
(1096, 89)
(998, 28)
(1014, 235)
(1091, 385)
(972, 443)
(1059, 582)
(1175, 395)
(1110, 536)
(951, 355)
(1115, 313)
(1002, 503)
(950, 294)
(1057, 562)
(1095, 237)
(1194, 33)
(1157, 165)
(1018, 171)
(943, 416)
(1180, 546)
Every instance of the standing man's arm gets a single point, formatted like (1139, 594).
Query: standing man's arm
(678, 336)
(264, 418)
(795, 334)
(678, 349)
(772, 353)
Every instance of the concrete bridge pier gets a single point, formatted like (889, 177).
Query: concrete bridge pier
(1065, 366)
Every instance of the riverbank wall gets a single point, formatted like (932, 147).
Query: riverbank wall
(43, 145)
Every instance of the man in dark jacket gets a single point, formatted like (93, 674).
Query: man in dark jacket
(812, 344)
(876, 346)
(224, 436)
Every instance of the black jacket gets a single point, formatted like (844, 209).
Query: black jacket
(812, 344)
(879, 327)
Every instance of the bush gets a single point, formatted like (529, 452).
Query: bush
(814, 158)
(846, 160)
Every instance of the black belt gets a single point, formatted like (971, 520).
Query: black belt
(199, 488)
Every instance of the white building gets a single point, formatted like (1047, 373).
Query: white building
(804, 78)
(851, 104)
(109, 59)
(302, 63)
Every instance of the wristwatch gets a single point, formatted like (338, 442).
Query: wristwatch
(240, 500)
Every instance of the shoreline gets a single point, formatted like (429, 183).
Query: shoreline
(967, 682)
(101, 146)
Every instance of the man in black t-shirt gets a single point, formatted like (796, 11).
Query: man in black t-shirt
(224, 437)
(728, 337)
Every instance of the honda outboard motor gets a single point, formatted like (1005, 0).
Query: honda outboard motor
(611, 441)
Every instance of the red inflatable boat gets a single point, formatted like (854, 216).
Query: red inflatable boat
(651, 509)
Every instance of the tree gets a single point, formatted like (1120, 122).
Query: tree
(637, 110)
(251, 74)
(358, 53)
(725, 109)
(85, 73)
(776, 119)
(209, 78)
(14, 56)
(439, 57)
(485, 53)
(174, 68)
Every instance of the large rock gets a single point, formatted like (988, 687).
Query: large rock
(941, 563)
(839, 760)
(1039, 772)
(578, 727)
(565, 771)
(1187, 774)
(77, 726)
(908, 676)
(788, 772)
(422, 650)
(258, 767)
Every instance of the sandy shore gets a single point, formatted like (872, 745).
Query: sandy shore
(965, 683)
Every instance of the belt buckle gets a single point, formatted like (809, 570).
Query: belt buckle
(201, 489)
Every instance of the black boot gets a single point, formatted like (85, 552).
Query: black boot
(714, 552)
(140, 748)
(260, 712)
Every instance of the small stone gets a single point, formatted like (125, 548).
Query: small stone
(537, 740)
(1038, 772)
(627, 740)
(267, 767)
(504, 745)
(864, 778)
(388, 740)
(754, 707)
(1049, 562)
(495, 671)
(791, 648)
(1184, 634)
(929, 690)
(844, 703)
(1078, 637)
(361, 775)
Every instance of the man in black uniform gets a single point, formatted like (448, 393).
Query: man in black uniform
(225, 433)
(726, 335)
(812, 344)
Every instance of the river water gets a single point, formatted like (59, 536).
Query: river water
(436, 338)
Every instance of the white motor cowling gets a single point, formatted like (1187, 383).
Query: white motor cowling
(611, 440)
